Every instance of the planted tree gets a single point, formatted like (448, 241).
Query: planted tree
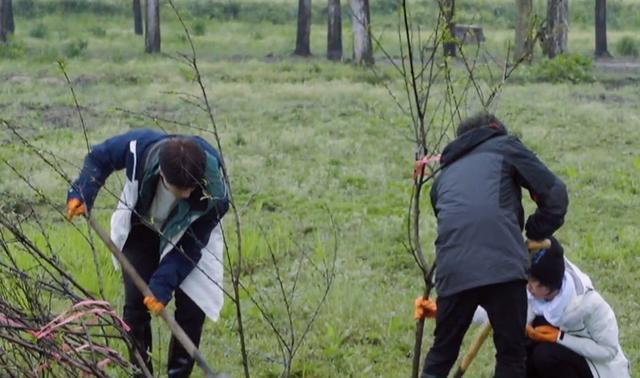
(304, 28)
(435, 97)
(289, 314)
(334, 30)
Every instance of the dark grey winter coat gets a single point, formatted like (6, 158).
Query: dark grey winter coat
(478, 203)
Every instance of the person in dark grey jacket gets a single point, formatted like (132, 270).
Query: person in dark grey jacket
(481, 256)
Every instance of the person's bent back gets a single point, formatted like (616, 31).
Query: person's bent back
(481, 257)
(477, 200)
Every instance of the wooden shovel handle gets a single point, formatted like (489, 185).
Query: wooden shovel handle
(176, 330)
(534, 245)
(473, 350)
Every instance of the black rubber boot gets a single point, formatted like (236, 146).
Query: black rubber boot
(180, 364)
(142, 340)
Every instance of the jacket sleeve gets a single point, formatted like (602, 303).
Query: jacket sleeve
(183, 258)
(546, 189)
(104, 158)
(600, 323)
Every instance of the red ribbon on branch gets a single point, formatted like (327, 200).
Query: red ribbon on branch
(425, 165)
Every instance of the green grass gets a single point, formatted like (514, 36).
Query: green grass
(299, 134)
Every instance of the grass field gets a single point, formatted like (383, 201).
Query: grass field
(302, 134)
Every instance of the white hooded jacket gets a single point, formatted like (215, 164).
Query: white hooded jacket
(590, 329)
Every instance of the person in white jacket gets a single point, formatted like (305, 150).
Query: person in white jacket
(573, 331)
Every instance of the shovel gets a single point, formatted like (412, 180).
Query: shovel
(176, 330)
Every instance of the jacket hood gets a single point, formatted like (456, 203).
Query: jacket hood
(466, 142)
(581, 281)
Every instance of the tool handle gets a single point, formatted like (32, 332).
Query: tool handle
(475, 347)
(175, 328)
(534, 245)
(473, 350)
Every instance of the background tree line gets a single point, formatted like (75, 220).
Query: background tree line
(553, 24)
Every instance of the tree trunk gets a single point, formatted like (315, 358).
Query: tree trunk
(555, 40)
(450, 44)
(601, 29)
(137, 17)
(362, 48)
(524, 43)
(334, 30)
(7, 25)
(152, 27)
(11, 26)
(3, 26)
(304, 28)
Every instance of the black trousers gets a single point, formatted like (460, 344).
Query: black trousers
(506, 305)
(554, 360)
(142, 251)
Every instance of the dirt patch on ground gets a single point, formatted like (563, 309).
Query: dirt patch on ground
(60, 116)
(51, 81)
(604, 98)
(18, 79)
(57, 116)
(617, 83)
(7, 136)
(618, 65)
(85, 80)
(617, 73)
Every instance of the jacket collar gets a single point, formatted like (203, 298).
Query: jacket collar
(468, 141)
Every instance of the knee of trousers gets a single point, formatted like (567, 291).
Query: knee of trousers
(438, 363)
(136, 316)
(511, 354)
(544, 356)
(194, 316)
(511, 347)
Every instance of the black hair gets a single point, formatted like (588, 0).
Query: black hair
(481, 119)
(182, 162)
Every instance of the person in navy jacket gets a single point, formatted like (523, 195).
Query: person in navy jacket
(167, 224)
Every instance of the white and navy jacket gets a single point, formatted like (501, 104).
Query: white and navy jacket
(191, 234)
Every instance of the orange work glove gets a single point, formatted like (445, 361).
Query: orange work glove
(154, 305)
(424, 165)
(544, 334)
(425, 308)
(75, 207)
